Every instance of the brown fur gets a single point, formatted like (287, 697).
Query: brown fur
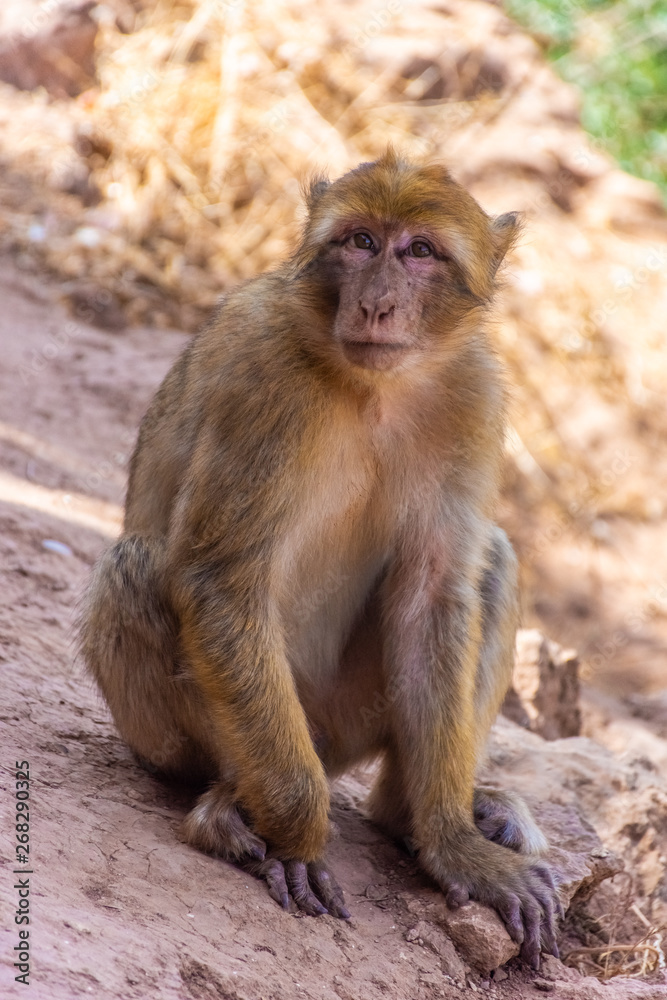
(309, 573)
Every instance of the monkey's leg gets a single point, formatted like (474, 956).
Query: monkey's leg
(501, 816)
(128, 638)
(129, 641)
(444, 705)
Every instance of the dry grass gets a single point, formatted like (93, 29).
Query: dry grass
(637, 959)
(205, 122)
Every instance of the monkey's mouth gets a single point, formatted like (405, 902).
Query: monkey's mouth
(370, 354)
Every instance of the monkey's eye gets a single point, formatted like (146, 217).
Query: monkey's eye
(420, 248)
(363, 241)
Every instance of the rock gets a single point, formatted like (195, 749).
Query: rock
(429, 936)
(479, 936)
(599, 810)
(580, 873)
(553, 969)
(545, 687)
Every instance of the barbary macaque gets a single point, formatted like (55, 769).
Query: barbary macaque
(337, 429)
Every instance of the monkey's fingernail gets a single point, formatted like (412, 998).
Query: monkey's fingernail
(554, 951)
(258, 853)
(284, 901)
(344, 913)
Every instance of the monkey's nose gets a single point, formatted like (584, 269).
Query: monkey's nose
(375, 312)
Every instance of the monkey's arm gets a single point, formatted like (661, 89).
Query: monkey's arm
(442, 711)
(265, 755)
(235, 652)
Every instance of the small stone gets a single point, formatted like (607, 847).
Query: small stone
(544, 985)
(480, 936)
(429, 936)
(376, 892)
(51, 545)
(553, 969)
(499, 975)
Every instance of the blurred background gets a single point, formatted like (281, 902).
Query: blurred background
(152, 154)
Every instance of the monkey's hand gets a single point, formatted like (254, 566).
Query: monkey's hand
(521, 889)
(312, 886)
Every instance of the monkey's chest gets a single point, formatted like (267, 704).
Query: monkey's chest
(325, 569)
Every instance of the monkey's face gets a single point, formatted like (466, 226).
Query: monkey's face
(395, 257)
(396, 286)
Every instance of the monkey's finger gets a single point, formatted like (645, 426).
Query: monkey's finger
(544, 872)
(546, 875)
(548, 936)
(532, 920)
(328, 890)
(273, 873)
(549, 944)
(302, 894)
(549, 903)
(510, 911)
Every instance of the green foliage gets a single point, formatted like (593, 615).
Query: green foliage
(615, 51)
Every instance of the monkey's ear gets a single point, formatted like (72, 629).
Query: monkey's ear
(315, 191)
(505, 231)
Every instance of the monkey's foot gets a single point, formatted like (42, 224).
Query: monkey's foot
(216, 827)
(312, 886)
(522, 890)
(506, 819)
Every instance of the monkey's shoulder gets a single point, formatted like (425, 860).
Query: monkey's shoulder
(244, 349)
